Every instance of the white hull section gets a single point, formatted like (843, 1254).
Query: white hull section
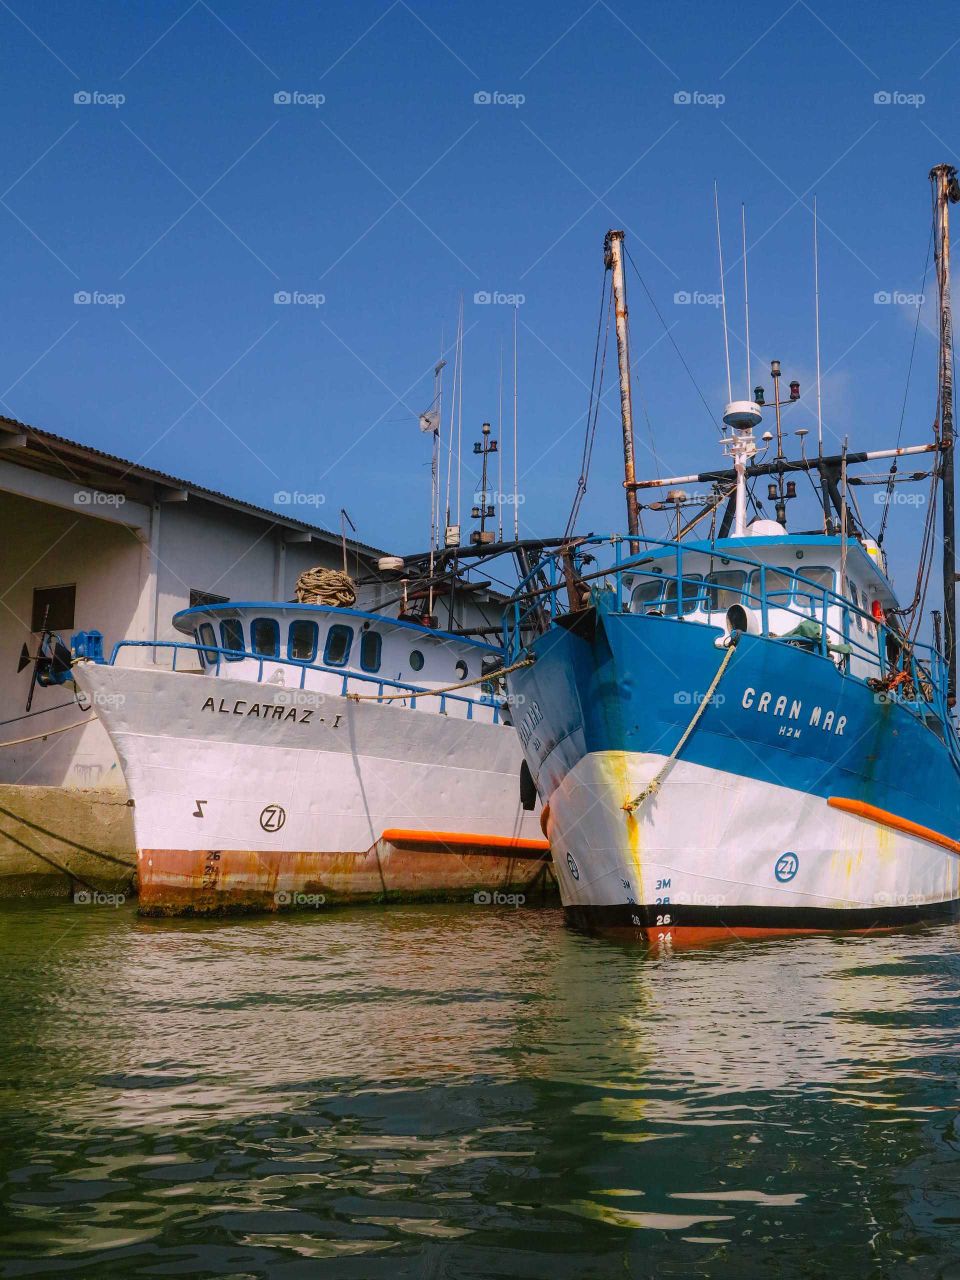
(234, 766)
(711, 844)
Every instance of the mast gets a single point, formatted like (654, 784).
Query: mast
(613, 261)
(947, 192)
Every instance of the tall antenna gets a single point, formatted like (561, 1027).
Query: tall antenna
(746, 293)
(460, 413)
(723, 294)
(816, 291)
(453, 411)
(516, 506)
(500, 453)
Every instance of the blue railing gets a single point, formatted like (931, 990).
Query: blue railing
(383, 683)
(859, 634)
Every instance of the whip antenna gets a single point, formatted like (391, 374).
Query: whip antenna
(816, 293)
(723, 295)
(746, 294)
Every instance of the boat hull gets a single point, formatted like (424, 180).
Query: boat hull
(249, 797)
(799, 802)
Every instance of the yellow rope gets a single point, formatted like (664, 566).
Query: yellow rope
(450, 688)
(652, 787)
(77, 724)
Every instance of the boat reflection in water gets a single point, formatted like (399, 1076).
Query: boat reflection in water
(247, 1096)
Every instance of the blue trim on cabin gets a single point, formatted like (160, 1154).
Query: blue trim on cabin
(285, 606)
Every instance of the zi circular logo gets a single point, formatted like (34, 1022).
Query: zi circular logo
(787, 866)
(574, 869)
(273, 817)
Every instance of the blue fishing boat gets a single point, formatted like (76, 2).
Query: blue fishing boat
(735, 731)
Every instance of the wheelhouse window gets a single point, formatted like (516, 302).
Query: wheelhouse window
(371, 644)
(809, 599)
(855, 600)
(779, 587)
(337, 649)
(265, 637)
(302, 640)
(207, 636)
(646, 596)
(724, 588)
(691, 593)
(231, 638)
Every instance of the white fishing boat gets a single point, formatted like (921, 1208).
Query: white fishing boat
(321, 755)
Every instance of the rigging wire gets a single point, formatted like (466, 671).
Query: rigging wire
(906, 391)
(673, 343)
(593, 405)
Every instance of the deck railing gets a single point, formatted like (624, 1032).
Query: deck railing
(384, 685)
(847, 634)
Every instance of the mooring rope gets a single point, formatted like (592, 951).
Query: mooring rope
(654, 785)
(450, 688)
(77, 724)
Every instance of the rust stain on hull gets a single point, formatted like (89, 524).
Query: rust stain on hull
(209, 881)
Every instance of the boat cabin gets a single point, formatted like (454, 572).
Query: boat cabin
(313, 650)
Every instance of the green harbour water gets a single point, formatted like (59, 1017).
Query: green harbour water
(471, 1091)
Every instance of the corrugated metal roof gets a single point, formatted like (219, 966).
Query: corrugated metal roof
(137, 471)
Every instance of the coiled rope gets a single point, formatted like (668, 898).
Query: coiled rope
(450, 688)
(654, 785)
(326, 586)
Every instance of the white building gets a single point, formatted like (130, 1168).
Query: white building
(96, 542)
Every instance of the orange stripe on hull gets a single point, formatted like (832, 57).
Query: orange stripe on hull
(458, 839)
(712, 935)
(886, 819)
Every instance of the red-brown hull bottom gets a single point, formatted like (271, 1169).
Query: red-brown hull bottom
(182, 882)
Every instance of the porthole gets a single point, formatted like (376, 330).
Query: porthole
(462, 670)
(416, 660)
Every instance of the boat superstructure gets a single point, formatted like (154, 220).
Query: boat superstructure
(737, 731)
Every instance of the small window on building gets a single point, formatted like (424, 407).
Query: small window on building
(265, 637)
(462, 670)
(416, 660)
(208, 636)
(53, 608)
(302, 640)
(645, 597)
(337, 649)
(370, 646)
(205, 597)
(231, 638)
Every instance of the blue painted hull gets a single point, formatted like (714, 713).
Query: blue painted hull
(786, 736)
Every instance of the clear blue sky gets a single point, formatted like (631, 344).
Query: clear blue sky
(200, 197)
